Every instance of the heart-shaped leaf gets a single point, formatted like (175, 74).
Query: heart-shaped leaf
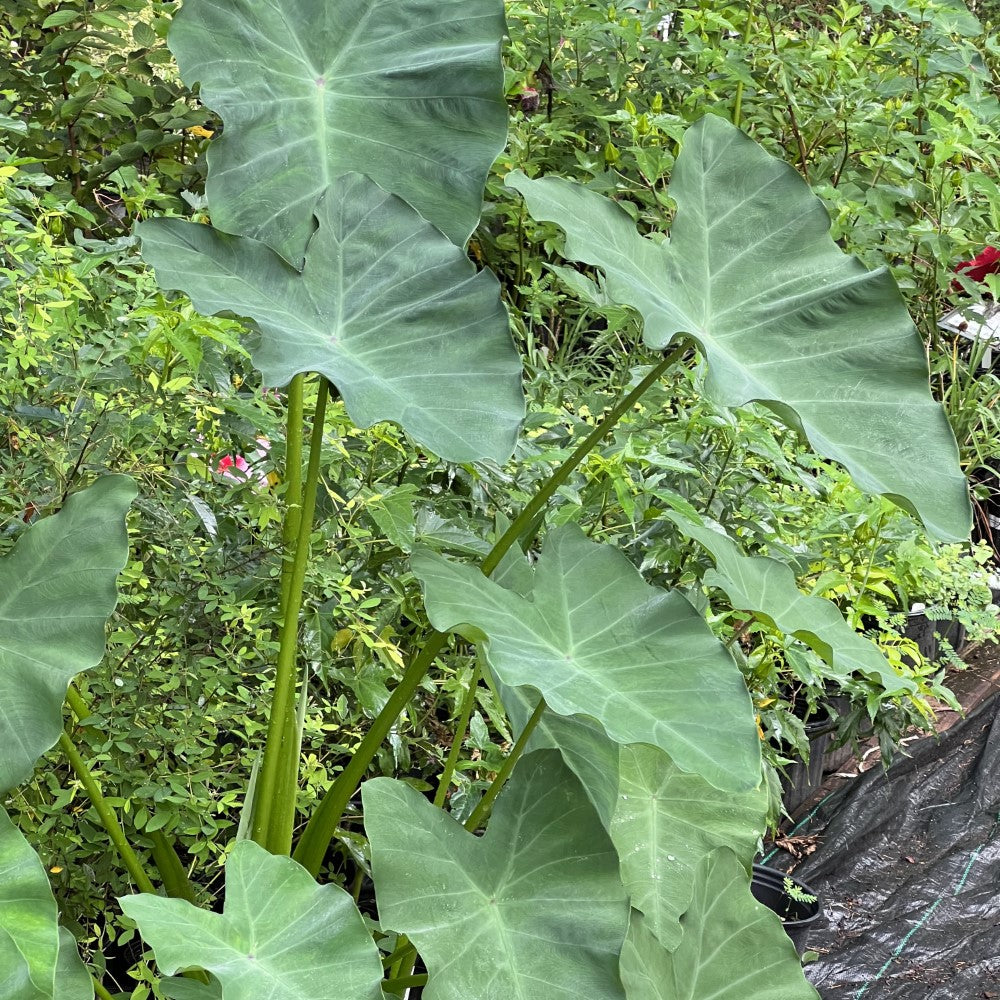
(280, 935)
(57, 588)
(665, 823)
(38, 959)
(533, 909)
(782, 314)
(767, 587)
(594, 639)
(662, 821)
(410, 93)
(386, 308)
(732, 948)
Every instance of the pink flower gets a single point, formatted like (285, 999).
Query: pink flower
(242, 470)
(227, 464)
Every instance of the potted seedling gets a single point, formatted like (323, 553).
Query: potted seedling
(948, 595)
(793, 901)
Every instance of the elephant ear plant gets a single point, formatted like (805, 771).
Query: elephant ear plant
(616, 860)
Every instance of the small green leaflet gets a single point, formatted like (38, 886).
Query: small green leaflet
(392, 510)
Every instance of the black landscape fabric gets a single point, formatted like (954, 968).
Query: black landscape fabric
(908, 868)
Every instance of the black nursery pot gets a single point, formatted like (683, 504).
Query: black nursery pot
(797, 917)
(924, 632)
(800, 780)
(921, 630)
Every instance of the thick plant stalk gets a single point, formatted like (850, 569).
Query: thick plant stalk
(295, 421)
(106, 813)
(283, 810)
(586, 446)
(100, 991)
(172, 873)
(274, 802)
(486, 802)
(75, 701)
(738, 105)
(322, 825)
(406, 963)
(175, 880)
(404, 951)
(289, 534)
(455, 751)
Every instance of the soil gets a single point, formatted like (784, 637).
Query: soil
(975, 684)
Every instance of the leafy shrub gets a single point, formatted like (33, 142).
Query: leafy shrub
(90, 94)
(233, 543)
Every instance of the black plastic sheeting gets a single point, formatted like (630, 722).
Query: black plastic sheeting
(908, 872)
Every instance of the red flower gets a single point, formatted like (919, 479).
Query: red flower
(986, 262)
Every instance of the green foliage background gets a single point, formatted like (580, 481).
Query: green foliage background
(889, 113)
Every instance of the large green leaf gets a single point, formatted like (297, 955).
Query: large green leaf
(29, 928)
(386, 308)
(585, 747)
(533, 910)
(782, 314)
(179, 988)
(768, 588)
(732, 947)
(38, 960)
(279, 936)
(57, 588)
(73, 980)
(594, 639)
(665, 823)
(662, 821)
(409, 93)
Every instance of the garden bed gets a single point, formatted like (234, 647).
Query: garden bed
(904, 863)
(972, 687)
